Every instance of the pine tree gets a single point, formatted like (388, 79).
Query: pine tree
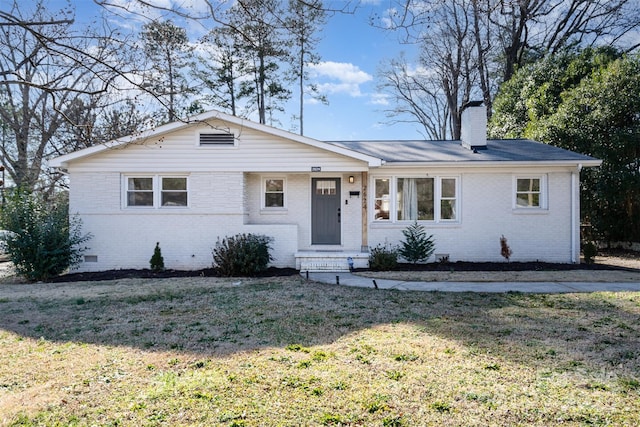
(157, 261)
(417, 246)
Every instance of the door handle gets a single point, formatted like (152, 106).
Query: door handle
(339, 214)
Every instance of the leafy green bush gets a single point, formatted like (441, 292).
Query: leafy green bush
(383, 257)
(44, 241)
(242, 254)
(417, 246)
(157, 260)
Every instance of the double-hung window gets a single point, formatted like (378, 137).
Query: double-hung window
(156, 191)
(140, 191)
(530, 192)
(448, 199)
(274, 193)
(173, 191)
(416, 199)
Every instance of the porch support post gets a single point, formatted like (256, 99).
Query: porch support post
(365, 216)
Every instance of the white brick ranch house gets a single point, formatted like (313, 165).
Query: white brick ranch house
(186, 184)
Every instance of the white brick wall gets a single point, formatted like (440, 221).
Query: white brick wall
(223, 204)
(486, 208)
(125, 238)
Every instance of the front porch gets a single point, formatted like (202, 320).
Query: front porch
(334, 261)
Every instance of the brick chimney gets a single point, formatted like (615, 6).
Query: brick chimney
(473, 130)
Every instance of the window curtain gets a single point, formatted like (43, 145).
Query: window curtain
(410, 199)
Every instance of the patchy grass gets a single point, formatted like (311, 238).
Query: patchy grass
(207, 351)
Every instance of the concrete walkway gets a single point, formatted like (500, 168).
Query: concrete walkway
(349, 279)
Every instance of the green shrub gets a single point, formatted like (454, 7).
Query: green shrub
(44, 241)
(242, 255)
(417, 246)
(157, 260)
(589, 250)
(383, 257)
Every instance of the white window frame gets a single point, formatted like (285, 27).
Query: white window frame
(125, 186)
(263, 194)
(388, 201)
(543, 193)
(437, 199)
(157, 191)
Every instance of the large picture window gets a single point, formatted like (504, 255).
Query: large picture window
(416, 199)
(156, 191)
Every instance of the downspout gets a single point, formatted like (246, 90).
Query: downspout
(575, 222)
(364, 247)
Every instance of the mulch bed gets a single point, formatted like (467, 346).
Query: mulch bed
(283, 272)
(150, 274)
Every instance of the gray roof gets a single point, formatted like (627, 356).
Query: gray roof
(498, 150)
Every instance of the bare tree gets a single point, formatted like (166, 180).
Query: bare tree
(416, 96)
(42, 86)
(495, 37)
(449, 58)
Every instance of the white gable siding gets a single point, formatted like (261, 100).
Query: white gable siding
(180, 150)
(486, 213)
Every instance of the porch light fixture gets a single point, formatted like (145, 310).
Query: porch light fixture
(351, 179)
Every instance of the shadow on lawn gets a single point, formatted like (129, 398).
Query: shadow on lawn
(207, 319)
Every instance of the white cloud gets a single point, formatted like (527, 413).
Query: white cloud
(379, 99)
(339, 77)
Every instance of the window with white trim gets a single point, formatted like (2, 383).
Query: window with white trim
(530, 192)
(156, 191)
(274, 193)
(382, 201)
(416, 199)
(448, 199)
(173, 191)
(140, 191)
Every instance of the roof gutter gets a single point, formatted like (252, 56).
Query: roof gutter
(494, 164)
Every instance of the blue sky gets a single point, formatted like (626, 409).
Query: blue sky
(354, 49)
(351, 51)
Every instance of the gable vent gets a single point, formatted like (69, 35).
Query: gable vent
(217, 140)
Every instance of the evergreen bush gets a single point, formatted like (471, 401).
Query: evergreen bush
(157, 261)
(43, 241)
(383, 257)
(242, 255)
(417, 246)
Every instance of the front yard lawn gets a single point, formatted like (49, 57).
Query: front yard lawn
(283, 352)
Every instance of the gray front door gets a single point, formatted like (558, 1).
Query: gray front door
(325, 211)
